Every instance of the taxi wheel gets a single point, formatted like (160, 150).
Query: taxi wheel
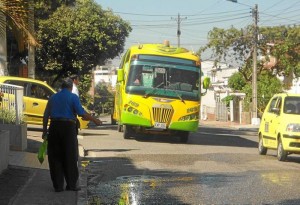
(281, 153)
(261, 149)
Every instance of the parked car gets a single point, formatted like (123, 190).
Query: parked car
(280, 126)
(35, 97)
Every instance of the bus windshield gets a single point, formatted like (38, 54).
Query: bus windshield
(164, 77)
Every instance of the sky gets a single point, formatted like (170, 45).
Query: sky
(154, 21)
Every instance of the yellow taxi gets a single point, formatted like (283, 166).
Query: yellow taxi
(35, 97)
(280, 126)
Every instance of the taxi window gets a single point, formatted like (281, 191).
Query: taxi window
(40, 92)
(18, 83)
(272, 105)
(278, 105)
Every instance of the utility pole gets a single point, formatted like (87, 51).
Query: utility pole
(178, 20)
(255, 120)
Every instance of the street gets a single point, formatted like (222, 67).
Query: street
(216, 166)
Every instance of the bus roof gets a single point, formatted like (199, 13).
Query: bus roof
(161, 49)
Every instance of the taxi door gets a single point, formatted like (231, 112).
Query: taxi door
(35, 99)
(275, 122)
(269, 140)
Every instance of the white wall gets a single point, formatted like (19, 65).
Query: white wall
(219, 79)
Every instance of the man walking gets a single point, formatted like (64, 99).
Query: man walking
(75, 79)
(62, 108)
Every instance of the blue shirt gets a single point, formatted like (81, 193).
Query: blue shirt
(64, 104)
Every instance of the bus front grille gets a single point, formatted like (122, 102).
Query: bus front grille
(162, 113)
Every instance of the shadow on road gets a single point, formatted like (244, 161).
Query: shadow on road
(206, 136)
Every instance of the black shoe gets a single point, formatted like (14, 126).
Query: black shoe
(73, 189)
(59, 190)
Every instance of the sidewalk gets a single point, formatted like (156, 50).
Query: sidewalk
(27, 182)
(229, 124)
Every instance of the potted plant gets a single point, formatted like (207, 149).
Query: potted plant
(17, 130)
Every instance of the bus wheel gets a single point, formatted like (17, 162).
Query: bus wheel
(120, 128)
(184, 136)
(281, 153)
(127, 131)
(113, 121)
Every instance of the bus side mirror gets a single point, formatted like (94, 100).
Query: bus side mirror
(120, 76)
(205, 85)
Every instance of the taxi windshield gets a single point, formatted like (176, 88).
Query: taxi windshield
(292, 105)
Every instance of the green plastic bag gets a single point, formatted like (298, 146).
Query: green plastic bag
(42, 151)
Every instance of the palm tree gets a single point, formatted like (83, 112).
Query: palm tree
(18, 15)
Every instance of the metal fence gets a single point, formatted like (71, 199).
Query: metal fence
(11, 103)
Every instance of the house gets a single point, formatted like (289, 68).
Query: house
(219, 75)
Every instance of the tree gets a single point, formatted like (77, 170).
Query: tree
(284, 44)
(18, 19)
(104, 98)
(236, 81)
(76, 39)
(43, 8)
(267, 85)
(237, 44)
(281, 42)
(84, 87)
(16, 15)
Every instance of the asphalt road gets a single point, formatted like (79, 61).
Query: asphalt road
(216, 166)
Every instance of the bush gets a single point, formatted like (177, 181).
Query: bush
(8, 116)
(227, 100)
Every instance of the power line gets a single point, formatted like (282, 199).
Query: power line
(162, 15)
(188, 24)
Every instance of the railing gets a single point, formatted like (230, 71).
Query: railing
(11, 101)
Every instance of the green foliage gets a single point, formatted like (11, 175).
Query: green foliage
(229, 44)
(227, 100)
(281, 42)
(44, 8)
(236, 82)
(84, 88)
(76, 39)
(267, 86)
(8, 116)
(104, 98)
(285, 47)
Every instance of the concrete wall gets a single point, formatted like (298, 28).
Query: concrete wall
(17, 136)
(4, 149)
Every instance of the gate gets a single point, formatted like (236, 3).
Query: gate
(221, 112)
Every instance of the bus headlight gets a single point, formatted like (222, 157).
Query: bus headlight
(132, 110)
(193, 116)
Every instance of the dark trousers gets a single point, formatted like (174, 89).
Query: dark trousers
(63, 154)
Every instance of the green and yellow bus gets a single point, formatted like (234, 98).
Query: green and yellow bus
(158, 91)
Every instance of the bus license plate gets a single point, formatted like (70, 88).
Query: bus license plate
(160, 125)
